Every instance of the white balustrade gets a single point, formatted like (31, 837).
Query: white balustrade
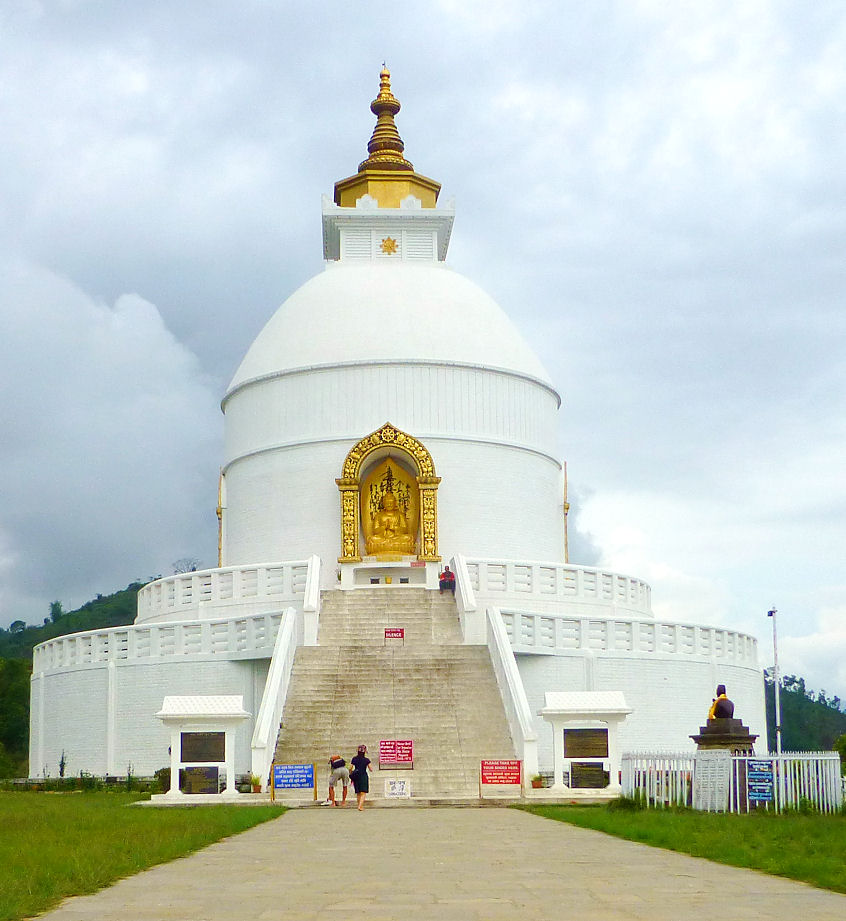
(558, 633)
(513, 582)
(250, 637)
(211, 591)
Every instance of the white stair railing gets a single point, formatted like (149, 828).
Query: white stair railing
(275, 691)
(311, 602)
(471, 617)
(513, 694)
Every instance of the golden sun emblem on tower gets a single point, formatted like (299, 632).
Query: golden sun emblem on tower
(388, 246)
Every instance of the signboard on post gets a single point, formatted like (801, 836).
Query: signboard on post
(502, 772)
(293, 777)
(760, 786)
(396, 753)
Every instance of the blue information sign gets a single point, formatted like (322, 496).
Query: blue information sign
(293, 776)
(759, 781)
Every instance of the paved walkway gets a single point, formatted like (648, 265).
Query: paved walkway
(443, 864)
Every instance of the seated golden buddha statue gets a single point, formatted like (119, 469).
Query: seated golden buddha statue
(390, 532)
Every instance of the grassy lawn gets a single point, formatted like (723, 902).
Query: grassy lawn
(811, 848)
(56, 845)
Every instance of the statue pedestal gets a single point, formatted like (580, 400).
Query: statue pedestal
(726, 734)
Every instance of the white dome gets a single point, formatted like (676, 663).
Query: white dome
(388, 312)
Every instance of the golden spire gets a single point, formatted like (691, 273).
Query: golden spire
(385, 146)
(386, 176)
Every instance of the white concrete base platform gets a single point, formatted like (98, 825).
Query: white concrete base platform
(207, 799)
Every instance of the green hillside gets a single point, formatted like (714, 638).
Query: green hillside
(103, 611)
(810, 721)
(15, 664)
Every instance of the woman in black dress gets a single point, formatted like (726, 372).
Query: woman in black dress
(358, 775)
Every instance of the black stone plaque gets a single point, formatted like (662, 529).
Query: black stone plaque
(585, 743)
(203, 746)
(200, 779)
(587, 776)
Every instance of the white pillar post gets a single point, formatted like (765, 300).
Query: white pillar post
(174, 762)
(558, 753)
(229, 754)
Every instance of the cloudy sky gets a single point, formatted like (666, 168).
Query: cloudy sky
(654, 191)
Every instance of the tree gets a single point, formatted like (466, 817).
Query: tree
(17, 626)
(185, 564)
(56, 610)
(840, 748)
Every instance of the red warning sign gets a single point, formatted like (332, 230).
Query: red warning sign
(501, 772)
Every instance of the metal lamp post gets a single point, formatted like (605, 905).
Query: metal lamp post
(772, 613)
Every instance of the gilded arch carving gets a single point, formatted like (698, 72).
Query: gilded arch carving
(349, 486)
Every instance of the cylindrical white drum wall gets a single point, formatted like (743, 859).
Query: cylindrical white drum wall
(491, 434)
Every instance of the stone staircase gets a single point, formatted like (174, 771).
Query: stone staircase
(357, 688)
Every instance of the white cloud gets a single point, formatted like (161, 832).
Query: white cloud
(111, 448)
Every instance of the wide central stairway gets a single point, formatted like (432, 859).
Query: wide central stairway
(357, 688)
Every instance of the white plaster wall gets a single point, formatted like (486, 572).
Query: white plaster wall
(348, 402)
(669, 695)
(74, 715)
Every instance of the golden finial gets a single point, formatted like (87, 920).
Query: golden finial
(385, 146)
(386, 176)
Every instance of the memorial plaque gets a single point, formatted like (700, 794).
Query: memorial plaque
(200, 779)
(203, 746)
(711, 780)
(397, 788)
(585, 743)
(586, 775)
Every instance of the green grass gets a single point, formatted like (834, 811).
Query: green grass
(811, 848)
(57, 845)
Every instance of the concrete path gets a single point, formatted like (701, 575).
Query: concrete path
(443, 864)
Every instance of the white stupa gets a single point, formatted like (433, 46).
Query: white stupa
(388, 420)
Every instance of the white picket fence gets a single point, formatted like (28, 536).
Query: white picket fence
(670, 779)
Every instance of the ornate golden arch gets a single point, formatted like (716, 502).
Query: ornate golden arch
(349, 485)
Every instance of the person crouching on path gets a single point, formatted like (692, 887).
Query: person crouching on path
(360, 766)
(341, 772)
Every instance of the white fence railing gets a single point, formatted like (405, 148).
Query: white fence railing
(235, 637)
(517, 710)
(530, 631)
(503, 582)
(789, 781)
(187, 594)
(272, 704)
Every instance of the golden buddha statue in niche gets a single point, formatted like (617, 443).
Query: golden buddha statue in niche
(389, 511)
